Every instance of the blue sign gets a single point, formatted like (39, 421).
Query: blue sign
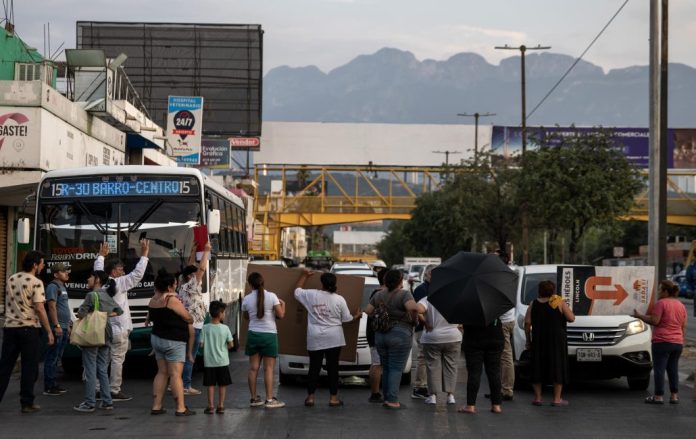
(101, 187)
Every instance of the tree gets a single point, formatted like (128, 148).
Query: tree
(578, 181)
(395, 245)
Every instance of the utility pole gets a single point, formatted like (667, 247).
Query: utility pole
(657, 183)
(523, 49)
(476, 122)
(447, 154)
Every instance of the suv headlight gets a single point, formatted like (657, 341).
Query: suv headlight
(635, 327)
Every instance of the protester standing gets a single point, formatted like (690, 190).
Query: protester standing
(95, 359)
(483, 346)
(121, 325)
(375, 363)
(262, 308)
(191, 295)
(420, 383)
(507, 365)
(668, 318)
(326, 313)
(545, 327)
(60, 319)
(25, 313)
(217, 341)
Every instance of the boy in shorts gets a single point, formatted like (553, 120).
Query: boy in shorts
(216, 340)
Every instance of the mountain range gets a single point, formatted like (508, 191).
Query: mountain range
(392, 86)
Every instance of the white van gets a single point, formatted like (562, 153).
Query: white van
(599, 347)
(292, 366)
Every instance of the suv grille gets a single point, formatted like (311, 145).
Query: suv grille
(595, 336)
(362, 342)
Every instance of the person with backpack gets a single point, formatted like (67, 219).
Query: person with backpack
(326, 313)
(375, 363)
(393, 311)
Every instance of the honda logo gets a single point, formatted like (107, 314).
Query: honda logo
(588, 336)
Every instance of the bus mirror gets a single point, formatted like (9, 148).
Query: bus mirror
(214, 222)
(23, 231)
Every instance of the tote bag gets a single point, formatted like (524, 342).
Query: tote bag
(90, 331)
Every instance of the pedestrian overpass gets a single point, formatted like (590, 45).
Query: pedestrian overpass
(315, 195)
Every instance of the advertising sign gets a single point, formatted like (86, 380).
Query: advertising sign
(606, 290)
(251, 143)
(681, 143)
(215, 153)
(184, 128)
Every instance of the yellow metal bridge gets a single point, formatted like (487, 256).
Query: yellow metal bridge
(321, 195)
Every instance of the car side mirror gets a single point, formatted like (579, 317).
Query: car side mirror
(213, 222)
(23, 231)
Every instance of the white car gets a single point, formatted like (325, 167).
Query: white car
(274, 263)
(599, 347)
(348, 266)
(292, 366)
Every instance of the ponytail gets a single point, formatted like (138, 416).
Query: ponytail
(256, 281)
(110, 287)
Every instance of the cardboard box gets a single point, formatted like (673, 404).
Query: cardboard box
(292, 330)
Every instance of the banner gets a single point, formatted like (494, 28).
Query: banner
(215, 153)
(184, 128)
(681, 143)
(606, 290)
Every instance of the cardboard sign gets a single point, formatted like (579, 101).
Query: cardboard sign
(292, 330)
(607, 290)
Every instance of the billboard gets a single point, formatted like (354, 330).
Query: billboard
(635, 142)
(220, 62)
(184, 123)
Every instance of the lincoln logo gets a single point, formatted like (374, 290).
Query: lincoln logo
(588, 336)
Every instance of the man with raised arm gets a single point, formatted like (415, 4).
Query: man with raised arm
(122, 325)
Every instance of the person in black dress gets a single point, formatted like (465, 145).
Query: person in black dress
(545, 322)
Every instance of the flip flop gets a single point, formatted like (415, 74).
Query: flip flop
(467, 410)
(338, 403)
(652, 400)
(391, 407)
(220, 410)
(309, 402)
(158, 411)
(496, 410)
(561, 403)
(209, 411)
(538, 403)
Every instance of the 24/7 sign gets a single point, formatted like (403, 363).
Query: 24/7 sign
(184, 127)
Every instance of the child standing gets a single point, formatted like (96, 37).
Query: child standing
(216, 339)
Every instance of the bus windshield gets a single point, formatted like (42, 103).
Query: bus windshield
(70, 231)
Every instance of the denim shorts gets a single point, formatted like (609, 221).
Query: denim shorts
(172, 351)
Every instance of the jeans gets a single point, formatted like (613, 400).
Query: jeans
(476, 359)
(393, 347)
(96, 362)
(316, 358)
(666, 357)
(53, 354)
(188, 366)
(24, 341)
(119, 349)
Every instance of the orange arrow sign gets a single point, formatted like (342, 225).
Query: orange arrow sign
(618, 295)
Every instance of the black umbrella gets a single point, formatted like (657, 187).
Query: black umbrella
(472, 288)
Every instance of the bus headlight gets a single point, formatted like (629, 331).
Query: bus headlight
(635, 327)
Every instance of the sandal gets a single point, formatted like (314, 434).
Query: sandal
(538, 402)
(496, 409)
(209, 411)
(158, 411)
(467, 409)
(652, 400)
(561, 403)
(220, 410)
(309, 402)
(393, 407)
(186, 412)
(338, 403)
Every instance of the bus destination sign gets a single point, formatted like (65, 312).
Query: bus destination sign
(118, 186)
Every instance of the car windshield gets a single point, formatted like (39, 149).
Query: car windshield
(71, 232)
(530, 286)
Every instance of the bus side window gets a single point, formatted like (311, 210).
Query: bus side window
(230, 229)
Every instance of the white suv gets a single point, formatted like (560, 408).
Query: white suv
(599, 347)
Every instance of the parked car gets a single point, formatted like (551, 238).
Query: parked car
(292, 366)
(347, 266)
(599, 347)
(274, 263)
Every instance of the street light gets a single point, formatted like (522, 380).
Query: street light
(447, 154)
(476, 119)
(525, 228)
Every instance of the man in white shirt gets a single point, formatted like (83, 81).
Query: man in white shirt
(122, 325)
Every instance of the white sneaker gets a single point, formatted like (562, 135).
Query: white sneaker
(432, 399)
(192, 391)
(274, 403)
(450, 399)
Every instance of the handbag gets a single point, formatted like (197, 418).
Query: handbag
(90, 331)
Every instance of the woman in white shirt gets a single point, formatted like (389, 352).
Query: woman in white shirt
(262, 308)
(442, 343)
(326, 313)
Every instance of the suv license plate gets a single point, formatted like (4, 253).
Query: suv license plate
(594, 354)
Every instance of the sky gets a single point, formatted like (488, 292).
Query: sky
(330, 33)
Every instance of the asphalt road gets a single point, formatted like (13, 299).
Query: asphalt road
(597, 409)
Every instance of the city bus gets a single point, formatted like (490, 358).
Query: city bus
(78, 209)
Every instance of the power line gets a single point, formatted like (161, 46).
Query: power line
(577, 60)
